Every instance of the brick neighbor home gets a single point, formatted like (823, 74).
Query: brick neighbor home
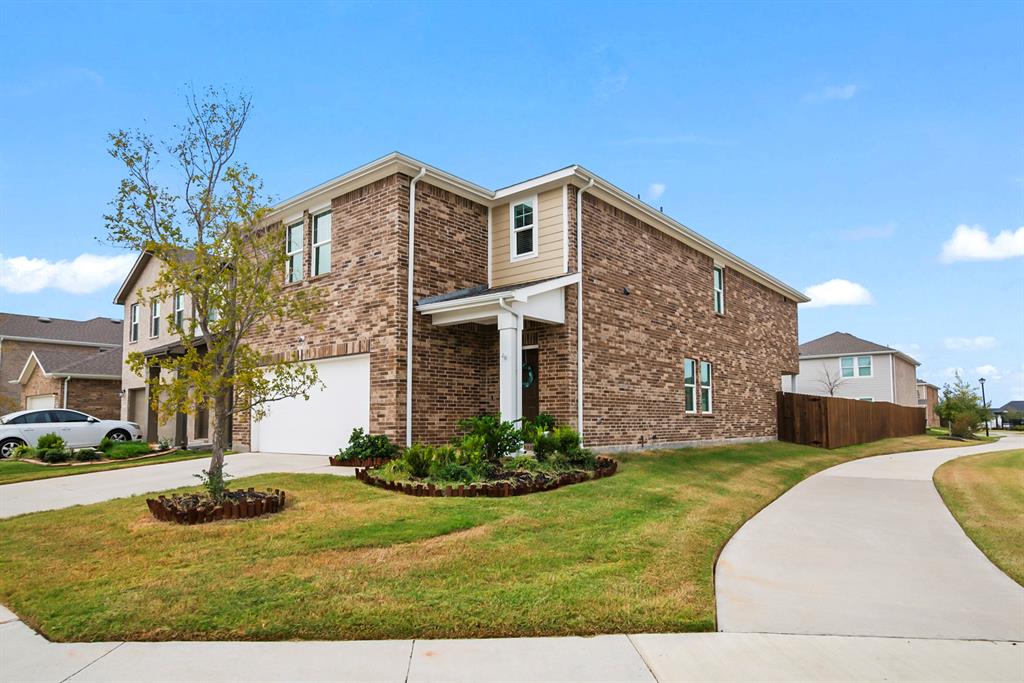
(57, 363)
(650, 334)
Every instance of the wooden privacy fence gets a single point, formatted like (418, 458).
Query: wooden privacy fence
(831, 422)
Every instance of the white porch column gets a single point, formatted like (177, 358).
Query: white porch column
(511, 368)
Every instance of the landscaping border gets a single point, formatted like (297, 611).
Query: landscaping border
(606, 467)
(338, 461)
(272, 501)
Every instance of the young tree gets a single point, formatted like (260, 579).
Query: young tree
(962, 407)
(207, 228)
(831, 382)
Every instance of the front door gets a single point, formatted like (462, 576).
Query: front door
(531, 395)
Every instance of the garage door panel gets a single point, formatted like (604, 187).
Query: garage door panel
(322, 424)
(40, 402)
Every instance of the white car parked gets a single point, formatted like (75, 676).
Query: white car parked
(77, 429)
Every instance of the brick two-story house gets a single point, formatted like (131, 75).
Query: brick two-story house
(649, 334)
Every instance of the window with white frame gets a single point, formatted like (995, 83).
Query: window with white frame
(866, 398)
(154, 319)
(294, 252)
(705, 386)
(524, 228)
(719, 287)
(855, 366)
(179, 309)
(322, 243)
(690, 384)
(133, 323)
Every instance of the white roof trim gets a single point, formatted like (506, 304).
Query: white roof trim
(30, 363)
(516, 294)
(66, 342)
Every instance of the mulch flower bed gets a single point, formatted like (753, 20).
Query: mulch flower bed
(198, 508)
(339, 461)
(516, 483)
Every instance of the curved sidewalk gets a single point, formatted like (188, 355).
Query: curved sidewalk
(867, 548)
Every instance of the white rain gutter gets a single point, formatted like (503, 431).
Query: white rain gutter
(579, 307)
(517, 355)
(67, 380)
(409, 308)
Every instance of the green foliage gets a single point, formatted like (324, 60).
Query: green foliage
(215, 483)
(473, 451)
(163, 443)
(50, 441)
(418, 458)
(452, 473)
(362, 445)
(962, 407)
(500, 437)
(53, 455)
(544, 421)
(570, 448)
(23, 451)
(128, 449)
(106, 443)
(393, 470)
(545, 445)
(524, 463)
(87, 455)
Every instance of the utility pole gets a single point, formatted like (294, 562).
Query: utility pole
(984, 404)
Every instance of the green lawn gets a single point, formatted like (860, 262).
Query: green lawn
(986, 495)
(12, 471)
(631, 553)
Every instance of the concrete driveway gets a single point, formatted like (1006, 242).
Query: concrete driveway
(82, 489)
(867, 548)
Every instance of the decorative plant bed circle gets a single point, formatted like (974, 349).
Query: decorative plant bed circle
(498, 489)
(196, 508)
(338, 461)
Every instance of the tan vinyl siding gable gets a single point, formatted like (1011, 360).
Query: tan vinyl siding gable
(550, 258)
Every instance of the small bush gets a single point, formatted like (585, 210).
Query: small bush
(570, 448)
(128, 449)
(54, 455)
(544, 421)
(50, 441)
(452, 472)
(418, 458)
(393, 470)
(23, 451)
(87, 455)
(545, 446)
(163, 443)
(362, 445)
(524, 463)
(106, 443)
(500, 437)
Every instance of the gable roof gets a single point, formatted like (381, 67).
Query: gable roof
(95, 331)
(81, 363)
(843, 344)
(137, 269)
(397, 162)
(1012, 405)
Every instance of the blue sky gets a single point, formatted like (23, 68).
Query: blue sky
(821, 142)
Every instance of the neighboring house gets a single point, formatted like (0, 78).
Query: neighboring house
(88, 380)
(845, 366)
(1010, 415)
(56, 341)
(147, 330)
(928, 398)
(650, 333)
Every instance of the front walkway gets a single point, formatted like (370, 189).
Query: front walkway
(867, 548)
(26, 657)
(95, 487)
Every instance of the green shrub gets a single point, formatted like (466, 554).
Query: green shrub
(418, 458)
(544, 421)
(545, 446)
(106, 443)
(163, 443)
(452, 473)
(54, 455)
(500, 437)
(362, 445)
(86, 455)
(23, 451)
(393, 470)
(524, 463)
(128, 449)
(50, 441)
(570, 448)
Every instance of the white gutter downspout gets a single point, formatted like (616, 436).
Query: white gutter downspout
(66, 381)
(408, 317)
(579, 307)
(517, 358)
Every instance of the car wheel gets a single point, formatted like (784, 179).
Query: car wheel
(7, 447)
(119, 435)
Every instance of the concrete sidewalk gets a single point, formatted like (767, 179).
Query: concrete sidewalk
(82, 489)
(867, 548)
(26, 657)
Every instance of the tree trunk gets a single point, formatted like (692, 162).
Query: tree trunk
(221, 427)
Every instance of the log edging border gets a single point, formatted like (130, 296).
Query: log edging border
(162, 508)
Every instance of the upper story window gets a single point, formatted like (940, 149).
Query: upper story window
(179, 309)
(322, 243)
(133, 323)
(705, 386)
(719, 286)
(690, 384)
(154, 319)
(855, 366)
(524, 228)
(293, 249)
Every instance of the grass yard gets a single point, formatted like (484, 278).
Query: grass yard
(13, 471)
(631, 553)
(986, 495)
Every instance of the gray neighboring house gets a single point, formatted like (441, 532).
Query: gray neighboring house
(845, 366)
(1003, 417)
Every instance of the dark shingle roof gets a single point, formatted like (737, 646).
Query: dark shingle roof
(1012, 405)
(96, 330)
(83, 361)
(839, 343)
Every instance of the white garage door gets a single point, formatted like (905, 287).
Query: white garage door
(322, 424)
(40, 402)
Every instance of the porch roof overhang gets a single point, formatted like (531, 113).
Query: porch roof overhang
(176, 348)
(542, 300)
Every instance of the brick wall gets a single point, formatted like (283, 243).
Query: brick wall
(97, 397)
(635, 344)
(39, 384)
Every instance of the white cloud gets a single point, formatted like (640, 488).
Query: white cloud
(972, 243)
(868, 232)
(988, 371)
(656, 190)
(832, 92)
(837, 292)
(952, 373)
(82, 275)
(968, 343)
